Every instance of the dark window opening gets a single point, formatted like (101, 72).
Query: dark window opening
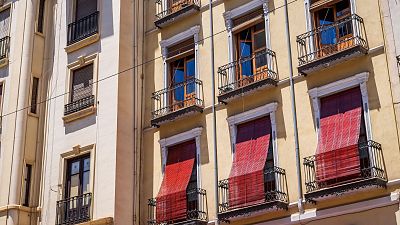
(27, 184)
(40, 22)
(78, 177)
(82, 83)
(34, 95)
(85, 8)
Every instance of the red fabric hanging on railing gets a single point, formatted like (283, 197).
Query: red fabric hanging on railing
(246, 179)
(171, 199)
(337, 157)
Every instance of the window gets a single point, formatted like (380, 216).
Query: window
(40, 21)
(4, 23)
(175, 198)
(251, 52)
(82, 83)
(336, 32)
(34, 95)
(1, 105)
(78, 177)
(182, 73)
(27, 184)
(85, 8)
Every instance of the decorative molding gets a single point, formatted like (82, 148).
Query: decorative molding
(252, 114)
(243, 9)
(191, 32)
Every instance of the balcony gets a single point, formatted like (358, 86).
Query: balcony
(83, 28)
(179, 100)
(74, 210)
(276, 196)
(368, 173)
(331, 44)
(4, 47)
(79, 105)
(255, 72)
(169, 11)
(196, 212)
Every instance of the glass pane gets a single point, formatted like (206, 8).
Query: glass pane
(259, 40)
(345, 29)
(261, 60)
(86, 164)
(190, 73)
(246, 66)
(75, 168)
(259, 26)
(178, 77)
(245, 35)
(328, 34)
(85, 182)
(343, 8)
(85, 8)
(74, 186)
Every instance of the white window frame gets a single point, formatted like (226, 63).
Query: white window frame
(192, 32)
(180, 138)
(338, 86)
(268, 109)
(242, 10)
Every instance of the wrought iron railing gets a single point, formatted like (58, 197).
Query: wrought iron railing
(196, 208)
(371, 165)
(4, 47)
(257, 67)
(275, 189)
(178, 96)
(79, 105)
(83, 28)
(172, 7)
(332, 38)
(74, 210)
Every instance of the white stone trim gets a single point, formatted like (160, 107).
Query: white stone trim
(180, 138)
(269, 109)
(338, 86)
(191, 32)
(244, 9)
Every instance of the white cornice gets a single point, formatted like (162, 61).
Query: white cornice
(339, 85)
(191, 32)
(252, 114)
(182, 137)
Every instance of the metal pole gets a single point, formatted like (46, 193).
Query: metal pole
(292, 94)
(213, 111)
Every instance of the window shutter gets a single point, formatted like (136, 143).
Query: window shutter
(181, 48)
(248, 17)
(82, 83)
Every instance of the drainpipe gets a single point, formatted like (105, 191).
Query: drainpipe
(292, 94)
(213, 111)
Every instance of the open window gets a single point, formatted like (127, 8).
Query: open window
(84, 21)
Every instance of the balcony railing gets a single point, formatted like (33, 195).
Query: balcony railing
(331, 42)
(370, 172)
(74, 210)
(169, 10)
(79, 105)
(177, 100)
(4, 47)
(196, 209)
(83, 28)
(247, 74)
(275, 190)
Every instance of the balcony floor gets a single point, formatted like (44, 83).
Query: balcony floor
(332, 59)
(252, 209)
(170, 18)
(176, 115)
(346, 187)
(245, 90)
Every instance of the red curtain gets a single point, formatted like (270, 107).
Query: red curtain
(337, 156)
(246, 179)
(171, 199)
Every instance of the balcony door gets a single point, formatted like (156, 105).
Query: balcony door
(335, 28)
(85, 8)
(251, 47)
(82, 83)
(78, 177)
(182, 83)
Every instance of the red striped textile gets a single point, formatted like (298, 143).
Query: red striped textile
(246, 179)
(337, 156)
(171, 199)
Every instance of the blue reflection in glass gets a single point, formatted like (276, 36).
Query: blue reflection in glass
(179, 77)
(190, 73)
(247, 67)
(328, 34)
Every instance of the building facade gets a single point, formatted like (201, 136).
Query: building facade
(345, 114)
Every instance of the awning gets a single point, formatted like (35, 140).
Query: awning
(246, 180)
(171, 200)
(337, 152)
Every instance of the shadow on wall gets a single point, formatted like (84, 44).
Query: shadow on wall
(80, 124)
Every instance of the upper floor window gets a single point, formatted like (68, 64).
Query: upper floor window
(40, 19)
(77, 177)
(85, 25)
(27, 185)
(85, 8)
(5, 23)
(34, 95)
